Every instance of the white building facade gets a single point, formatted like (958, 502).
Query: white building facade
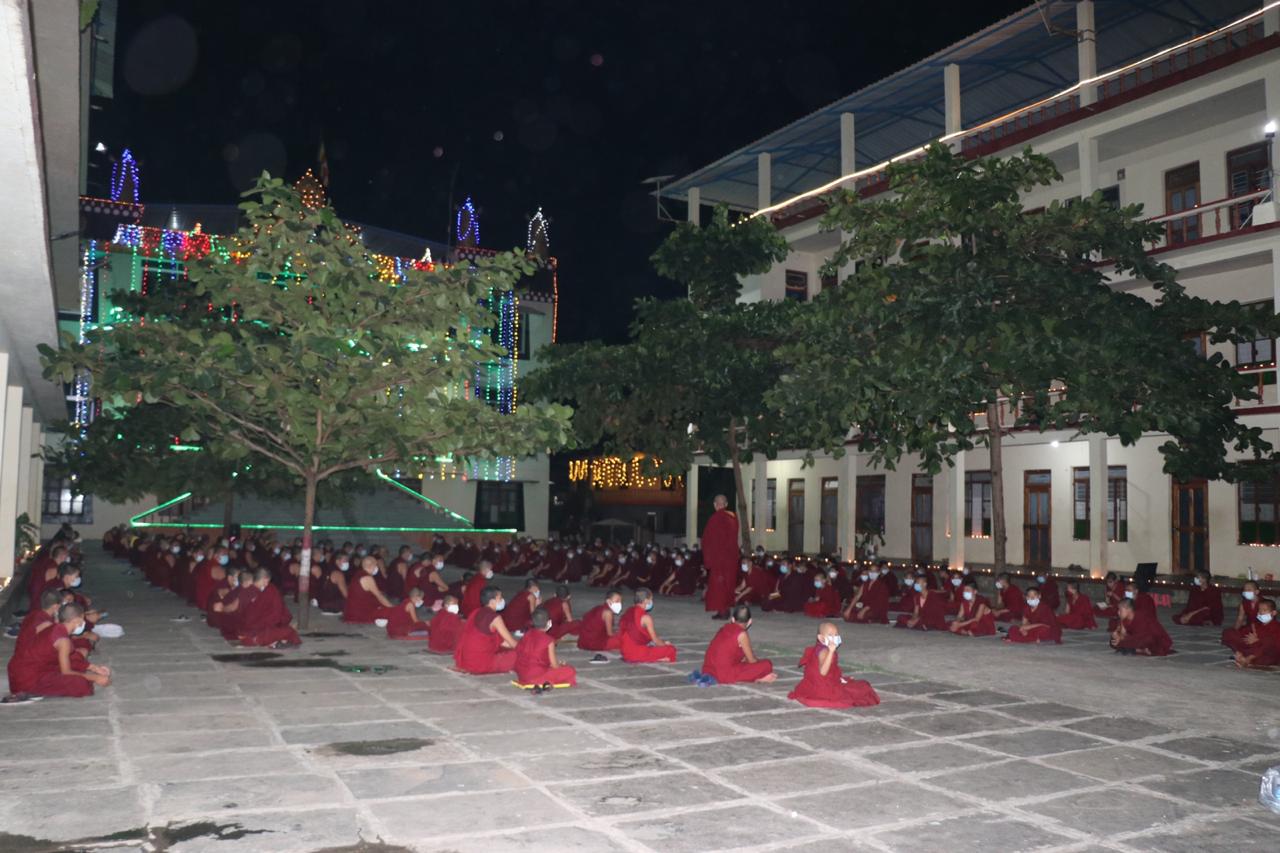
(1169, 109)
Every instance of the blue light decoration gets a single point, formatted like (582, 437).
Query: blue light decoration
(124, 178)
(88, 298)
(467, 227)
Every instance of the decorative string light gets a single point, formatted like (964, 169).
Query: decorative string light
(538, 236)
(311, 190)
(124, 179)
(613, 472)
(467, 226)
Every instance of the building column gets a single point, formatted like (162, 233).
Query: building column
(760, 498)
(1086, 51)
(848, 150)
(764, 181)
(695, 205)
(10, 457)
(951, 94)
(1097, 502)
(1088, 155)
(23, 494)
(35, 489)
(1270, 20)
(691, 531)
(847, 526)
(956, 499)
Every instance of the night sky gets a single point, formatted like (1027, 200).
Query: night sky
(565, 105)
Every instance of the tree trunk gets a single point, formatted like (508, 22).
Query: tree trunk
(228, 510)
(997, 483)
(743, 510)
(304, 570)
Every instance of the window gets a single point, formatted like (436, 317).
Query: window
(63, 502)
(499, 505)
(797, 285)
(771, 490)
(1111, 195)
(1259, 353)
(1246, 174)
(1259, 507)
(1117, 509)
(1182, 192)
(829, 280)
(869, 511)
(1199, 343)
(977, 504)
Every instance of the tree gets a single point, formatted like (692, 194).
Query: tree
(292, 349)
(962, 303)
(693, 376)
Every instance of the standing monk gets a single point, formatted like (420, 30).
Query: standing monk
(640, 640)
(720, 555)
(730, 658)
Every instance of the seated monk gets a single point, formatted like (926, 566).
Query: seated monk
(331, 596)
(267, 620)
(792, 590)
(870, 603)
(955, 591)
(1246, 618)
(930, 611)
(1079, 615)
(51, 667)
(754, 585)
(44, 571)
(1048, 590)
(1142, 603)
(1204, 603)
(560, 610)
(1039, 624)
(823, 685)
(1011, 604)
(404, 623)
(974, 618)
(1114, 593)
(365, 602)
(1262, 643)
(1140, 633)
(486, 646)
(471, 594)
(730, 658)
(444, 628)
(599, 630)
(425, 575)
(237, 605)
(35, 623)
(640, 640)
(519, 612)
(824, 601)
(536, 661)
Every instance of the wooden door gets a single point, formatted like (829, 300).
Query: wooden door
(1182, 192)
(1037, 501)
(795, 516)
(921, 518)
(829, 513)
(1190, 523)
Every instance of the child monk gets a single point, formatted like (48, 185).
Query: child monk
(52, 668)
(1139, 632)
(1246, 617)
(560, 610)
(486, 646)
(1114, 593)
(444, 628)
(520, 608)
(930, 611)
(824, 603)
(1010, 605)
(1039, 624)
(1079, 614)
(403, 624)
(823, 685)
(536, 661)
(1142, 603)
(870, 603)
(266, 620)
(471, 594)
(599, 626)
(730, 658)
(1204, 603)
(975, 618)
(1261, 646)
(640, 640)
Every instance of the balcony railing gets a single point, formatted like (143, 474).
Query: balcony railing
(1211, 219)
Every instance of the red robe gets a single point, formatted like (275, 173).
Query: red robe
(826, 605)
(329, 595)
(25, 652)
(1142, 603)
(1265, 652)
(1049, 593)
(1145, 633)
(404, 621)
(519, 611)
(204, 583)
(1079, 615)
(230, 621)
(266, 621)
(725, 662)
(875, 595)
(443, 631)
(533, 661)
(759, 584)
(635, 640)
(1233, 638)
(36, 582)
(593, 636)
(561, 624)
(41, 674)
(1041, 614)
(932, 611)
(471, 595)
(720, 555)
(832, 690)
(479, 650)
(1115, 593)
(1208, 601)
(984, 627)
(1011, 600)
(362, 607)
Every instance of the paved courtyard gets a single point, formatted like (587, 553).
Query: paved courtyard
(976, 746)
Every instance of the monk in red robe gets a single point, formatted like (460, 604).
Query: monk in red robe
(1048, 591)
(1204, 603)
(425, 575)
(519, 613)
(236, 604)
(1011, 604)
(471, 593)
(600, 625)
(34, 624)
(331, 597)
(1140, 633)
(954, 588)
(720, 555)
(1114, 593)
(640, 640)
(1246, 617)
(536, 661)
(930, 611)
(824, 603)
(45, 571)
(444, 628)
(267, 620)
(1142, 603)
(730, 658)
(870, 604)
(1262, 643)
(974, 618)
(366, 603)
(823, 685)
(754, 585)
(486, 646)
(560, 611)
(49, 667)
(1079, 613)
(403, 623)
(1039, 623)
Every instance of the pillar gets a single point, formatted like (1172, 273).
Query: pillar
(951, 93)
(10, 454)
(1086, 51)
(695, 205)
(23, 494)
(35, 491)
(1089, 178)
(956, 499)
(764, 181)
(848, 151)
(1270, 19)
(691, 531)
(1097, 502)
(760, 499)
(847, 530)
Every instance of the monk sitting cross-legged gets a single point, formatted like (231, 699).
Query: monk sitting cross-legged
(1139, 632)
(974, 618)
(267, 620)
(640, 640)
(825, 601)
(520, 608)
(560, 611)
(1261, 646)
(599, 626)
(25, 650)
(1079, 615)
(930, 612)
(1039, 625)
(823, 685)
(1246, 618)
(476, 585)
(404, 624)
(1204, 603)
(870, 604)
(1142, 603)
(486, 646)
(536, 661)
(445, 628)
(1010, 603)
(53, 668)
(1114, 592)
(730, 658)
(365, 602)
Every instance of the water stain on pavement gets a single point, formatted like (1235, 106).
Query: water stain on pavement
(157, 839)
(321, 660)
(390, 746)
(324, 634)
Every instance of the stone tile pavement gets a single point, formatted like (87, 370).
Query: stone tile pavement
(976, 746)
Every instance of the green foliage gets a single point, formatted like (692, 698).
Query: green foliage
(710, 260)
(27, 535)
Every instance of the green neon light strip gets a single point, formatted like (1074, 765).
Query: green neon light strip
(133, 522)
(422, 497)
(212, 526)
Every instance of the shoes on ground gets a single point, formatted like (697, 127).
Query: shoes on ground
(599, 659)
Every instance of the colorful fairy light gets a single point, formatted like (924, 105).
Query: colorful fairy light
(467, 226)
(613, 472)
(124, 178)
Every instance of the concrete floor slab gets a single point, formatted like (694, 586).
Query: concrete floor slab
(713, 829)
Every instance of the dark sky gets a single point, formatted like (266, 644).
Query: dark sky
(567, 105)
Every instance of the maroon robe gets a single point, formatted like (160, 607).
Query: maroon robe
(932, 610)
(479, 650)
(593, 636)
(533, 661)
(1041, 614)
(267, 621)
(561, 624)
(1207, 601)
(832, 690)
(1144, 633)
(635, 640)
(1079, 615)
(720, 555)
(443, 631)
(517, 615)
(725, 662)
(875, 595)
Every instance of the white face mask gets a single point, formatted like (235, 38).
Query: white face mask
(999, 584)
(439, 564)
(75, 582)
(872, 575)
(817, 584)
(78, 630)
(863, 577)
(746, 567)
(1248, 595)
(679, 563)
(1040, 578)
(452, 608)
(275, 551)
(223, 559)
(968, 596)
(198, 557)
(615, 606)
(1033, 602)
(342, 567)
(833, 640)
(176, 550)
(957, 581)
(832, 574)
(373, 570)
(918, 587)
(1128, 593)
(487, 574)
(1264, 618)
(502, 605)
